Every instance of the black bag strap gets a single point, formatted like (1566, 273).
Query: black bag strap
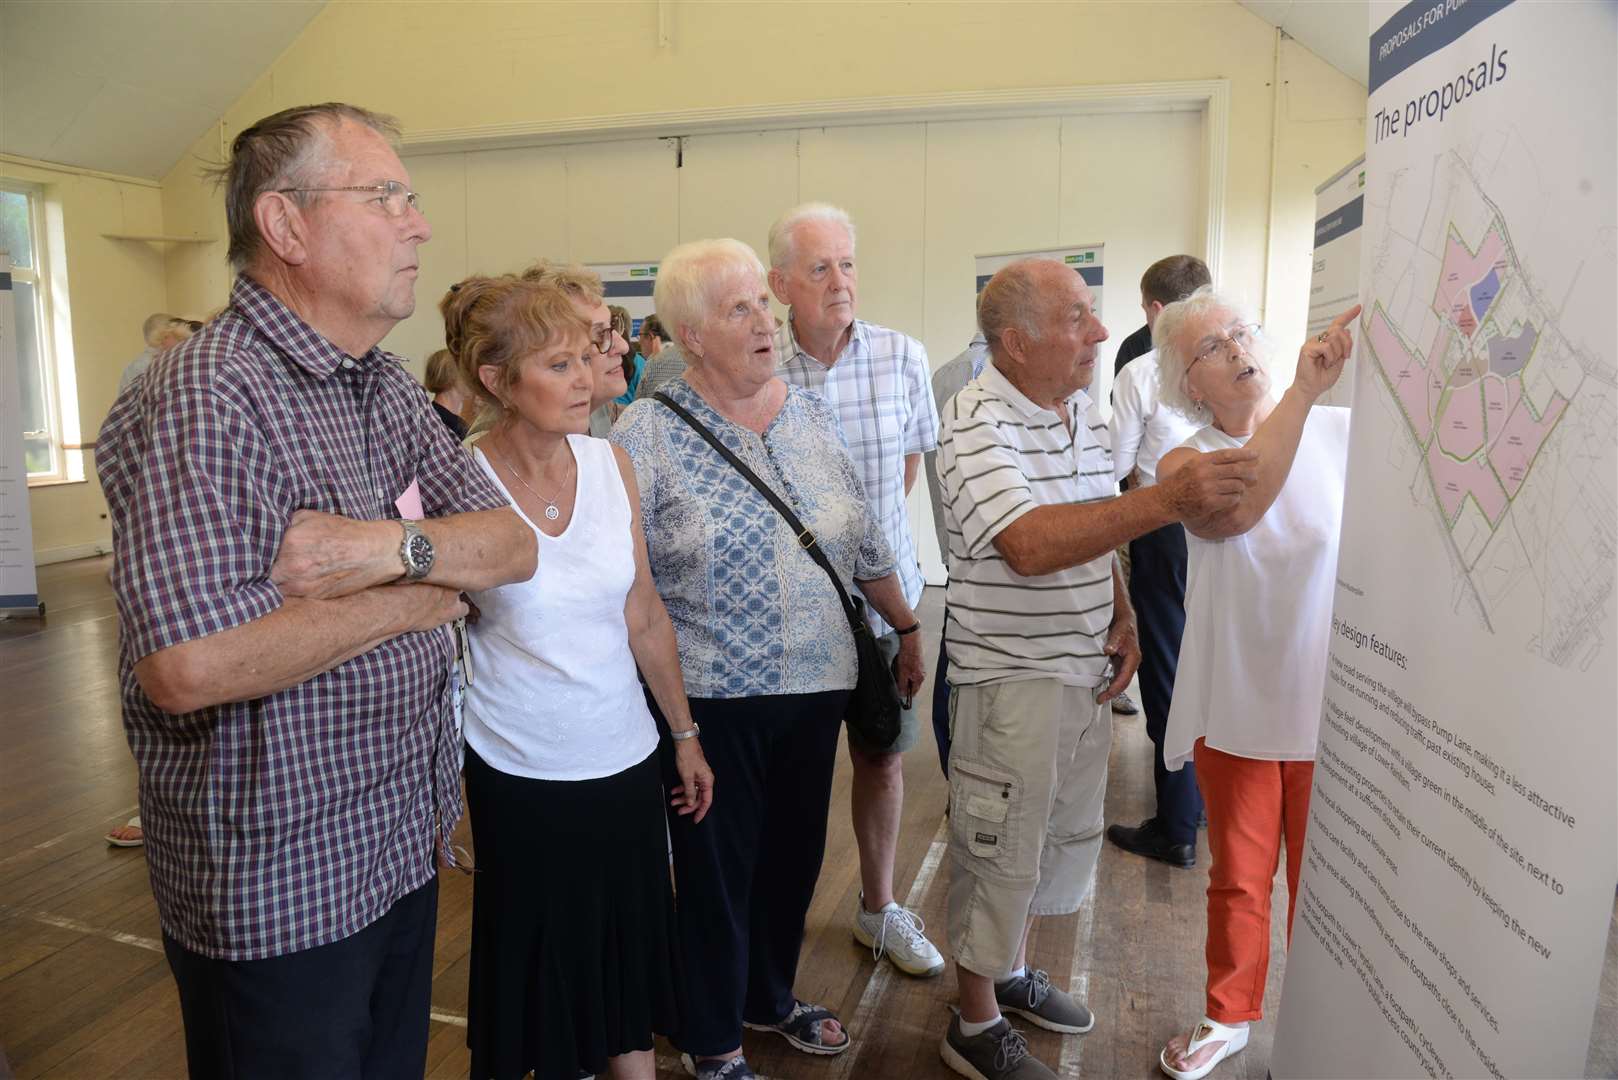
(806, 539)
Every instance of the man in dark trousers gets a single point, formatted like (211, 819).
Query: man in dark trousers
(1143, 430)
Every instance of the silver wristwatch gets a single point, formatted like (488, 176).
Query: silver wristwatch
(416, 552)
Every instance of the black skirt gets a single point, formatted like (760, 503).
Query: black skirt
(572, 921)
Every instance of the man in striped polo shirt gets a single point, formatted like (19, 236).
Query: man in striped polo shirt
(1041, 638)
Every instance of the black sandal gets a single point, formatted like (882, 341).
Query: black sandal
(801, 1028)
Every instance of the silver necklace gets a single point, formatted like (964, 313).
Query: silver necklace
(551, 512)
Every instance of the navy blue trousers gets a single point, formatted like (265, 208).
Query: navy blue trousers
(745, 875)
(1157, 589)
(354, 1008)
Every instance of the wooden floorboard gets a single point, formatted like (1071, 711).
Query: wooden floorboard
(85, 990)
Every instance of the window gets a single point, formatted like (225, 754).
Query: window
(21, 235)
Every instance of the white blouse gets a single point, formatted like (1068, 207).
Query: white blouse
(554, 695)
(1258, 609)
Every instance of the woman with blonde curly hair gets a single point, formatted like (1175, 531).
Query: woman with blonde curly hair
(571, 971)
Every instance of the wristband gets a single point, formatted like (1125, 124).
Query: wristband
(688, 733)
(911, 629)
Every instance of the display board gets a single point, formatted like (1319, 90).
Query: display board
(1085, 259)
(1462, 845)
(1334, 277)
(629, 285)
(19, 588)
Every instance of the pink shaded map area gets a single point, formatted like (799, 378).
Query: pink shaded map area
(1499, 398)
(1454, 480)
(1461, 271)
(1513, 452)
(1460, 428)
(1410, 380)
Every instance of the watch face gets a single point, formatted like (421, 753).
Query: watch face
(421, 552)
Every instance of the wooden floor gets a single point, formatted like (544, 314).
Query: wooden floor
(85, 991)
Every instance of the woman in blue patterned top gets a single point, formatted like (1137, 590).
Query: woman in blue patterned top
(764, 644)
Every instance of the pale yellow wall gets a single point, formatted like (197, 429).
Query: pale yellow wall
(112, 286)
(456, 64)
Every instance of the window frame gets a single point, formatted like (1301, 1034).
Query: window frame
(39, 276)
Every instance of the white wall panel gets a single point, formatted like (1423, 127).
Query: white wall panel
(516, 208)
(992, 186)
(1134, 182)
(622, 201)
(735, 185)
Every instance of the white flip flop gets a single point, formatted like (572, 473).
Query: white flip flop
(134, 823)
(1207, 1031)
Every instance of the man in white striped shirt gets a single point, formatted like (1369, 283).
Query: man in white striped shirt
(1041, 638)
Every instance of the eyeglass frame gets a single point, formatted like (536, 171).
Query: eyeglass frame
(1222, 343)
(605, 349)
(386, 190)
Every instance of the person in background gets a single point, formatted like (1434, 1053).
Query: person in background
(450, 395)
(663, 364)
(1258, 606)
(634, 366)
(561, 760)
(161, 333)
(947, 382)
(1143, 430)
(764, 642)
(875, 380)
(1041, 637)
(652, 338)
(293, 531)
(607, 333)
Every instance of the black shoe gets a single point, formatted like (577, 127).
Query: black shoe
(1145, 839)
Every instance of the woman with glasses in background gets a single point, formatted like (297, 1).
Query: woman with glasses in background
(610, 335)
(573, 939)
(1258, 600)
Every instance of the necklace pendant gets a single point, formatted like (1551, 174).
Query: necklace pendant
(552, 513)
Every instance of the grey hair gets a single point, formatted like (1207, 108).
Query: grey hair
(685, 278)
(284, 150)
(1012, 299)
(781, 244)
(1174, 354)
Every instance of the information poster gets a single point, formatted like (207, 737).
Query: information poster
(1334, 279)
(19, 590)
(629, 285)
(1462, 845)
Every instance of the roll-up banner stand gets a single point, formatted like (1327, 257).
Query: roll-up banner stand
(1334, 278)
(1462, 845)
(19, 585)
(629, 285)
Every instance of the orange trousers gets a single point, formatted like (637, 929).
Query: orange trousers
(1252, 806)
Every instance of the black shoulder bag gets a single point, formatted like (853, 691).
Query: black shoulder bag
(873, 707)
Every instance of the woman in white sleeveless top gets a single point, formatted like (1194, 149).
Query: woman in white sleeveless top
(1258, 600)
(572, 964)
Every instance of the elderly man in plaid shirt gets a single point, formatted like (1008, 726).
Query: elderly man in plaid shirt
(875, 380)
(294, 528)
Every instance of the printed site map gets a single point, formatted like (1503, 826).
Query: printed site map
(1507, 428)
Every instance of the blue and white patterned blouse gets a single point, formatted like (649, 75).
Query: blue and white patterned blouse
(753, 612)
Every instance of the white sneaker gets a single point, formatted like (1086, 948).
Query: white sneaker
(896, 931)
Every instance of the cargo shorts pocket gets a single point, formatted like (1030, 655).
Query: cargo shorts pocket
(983, 812)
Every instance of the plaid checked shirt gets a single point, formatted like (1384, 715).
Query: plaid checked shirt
(295, 820)
(878, 390)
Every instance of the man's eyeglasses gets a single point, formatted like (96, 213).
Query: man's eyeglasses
(1237, 341)
(394, 196)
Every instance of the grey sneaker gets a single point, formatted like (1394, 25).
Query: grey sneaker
(897, 932)
(1001, 1053)
(1032, 996)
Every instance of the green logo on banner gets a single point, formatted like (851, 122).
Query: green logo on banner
(639, 271)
